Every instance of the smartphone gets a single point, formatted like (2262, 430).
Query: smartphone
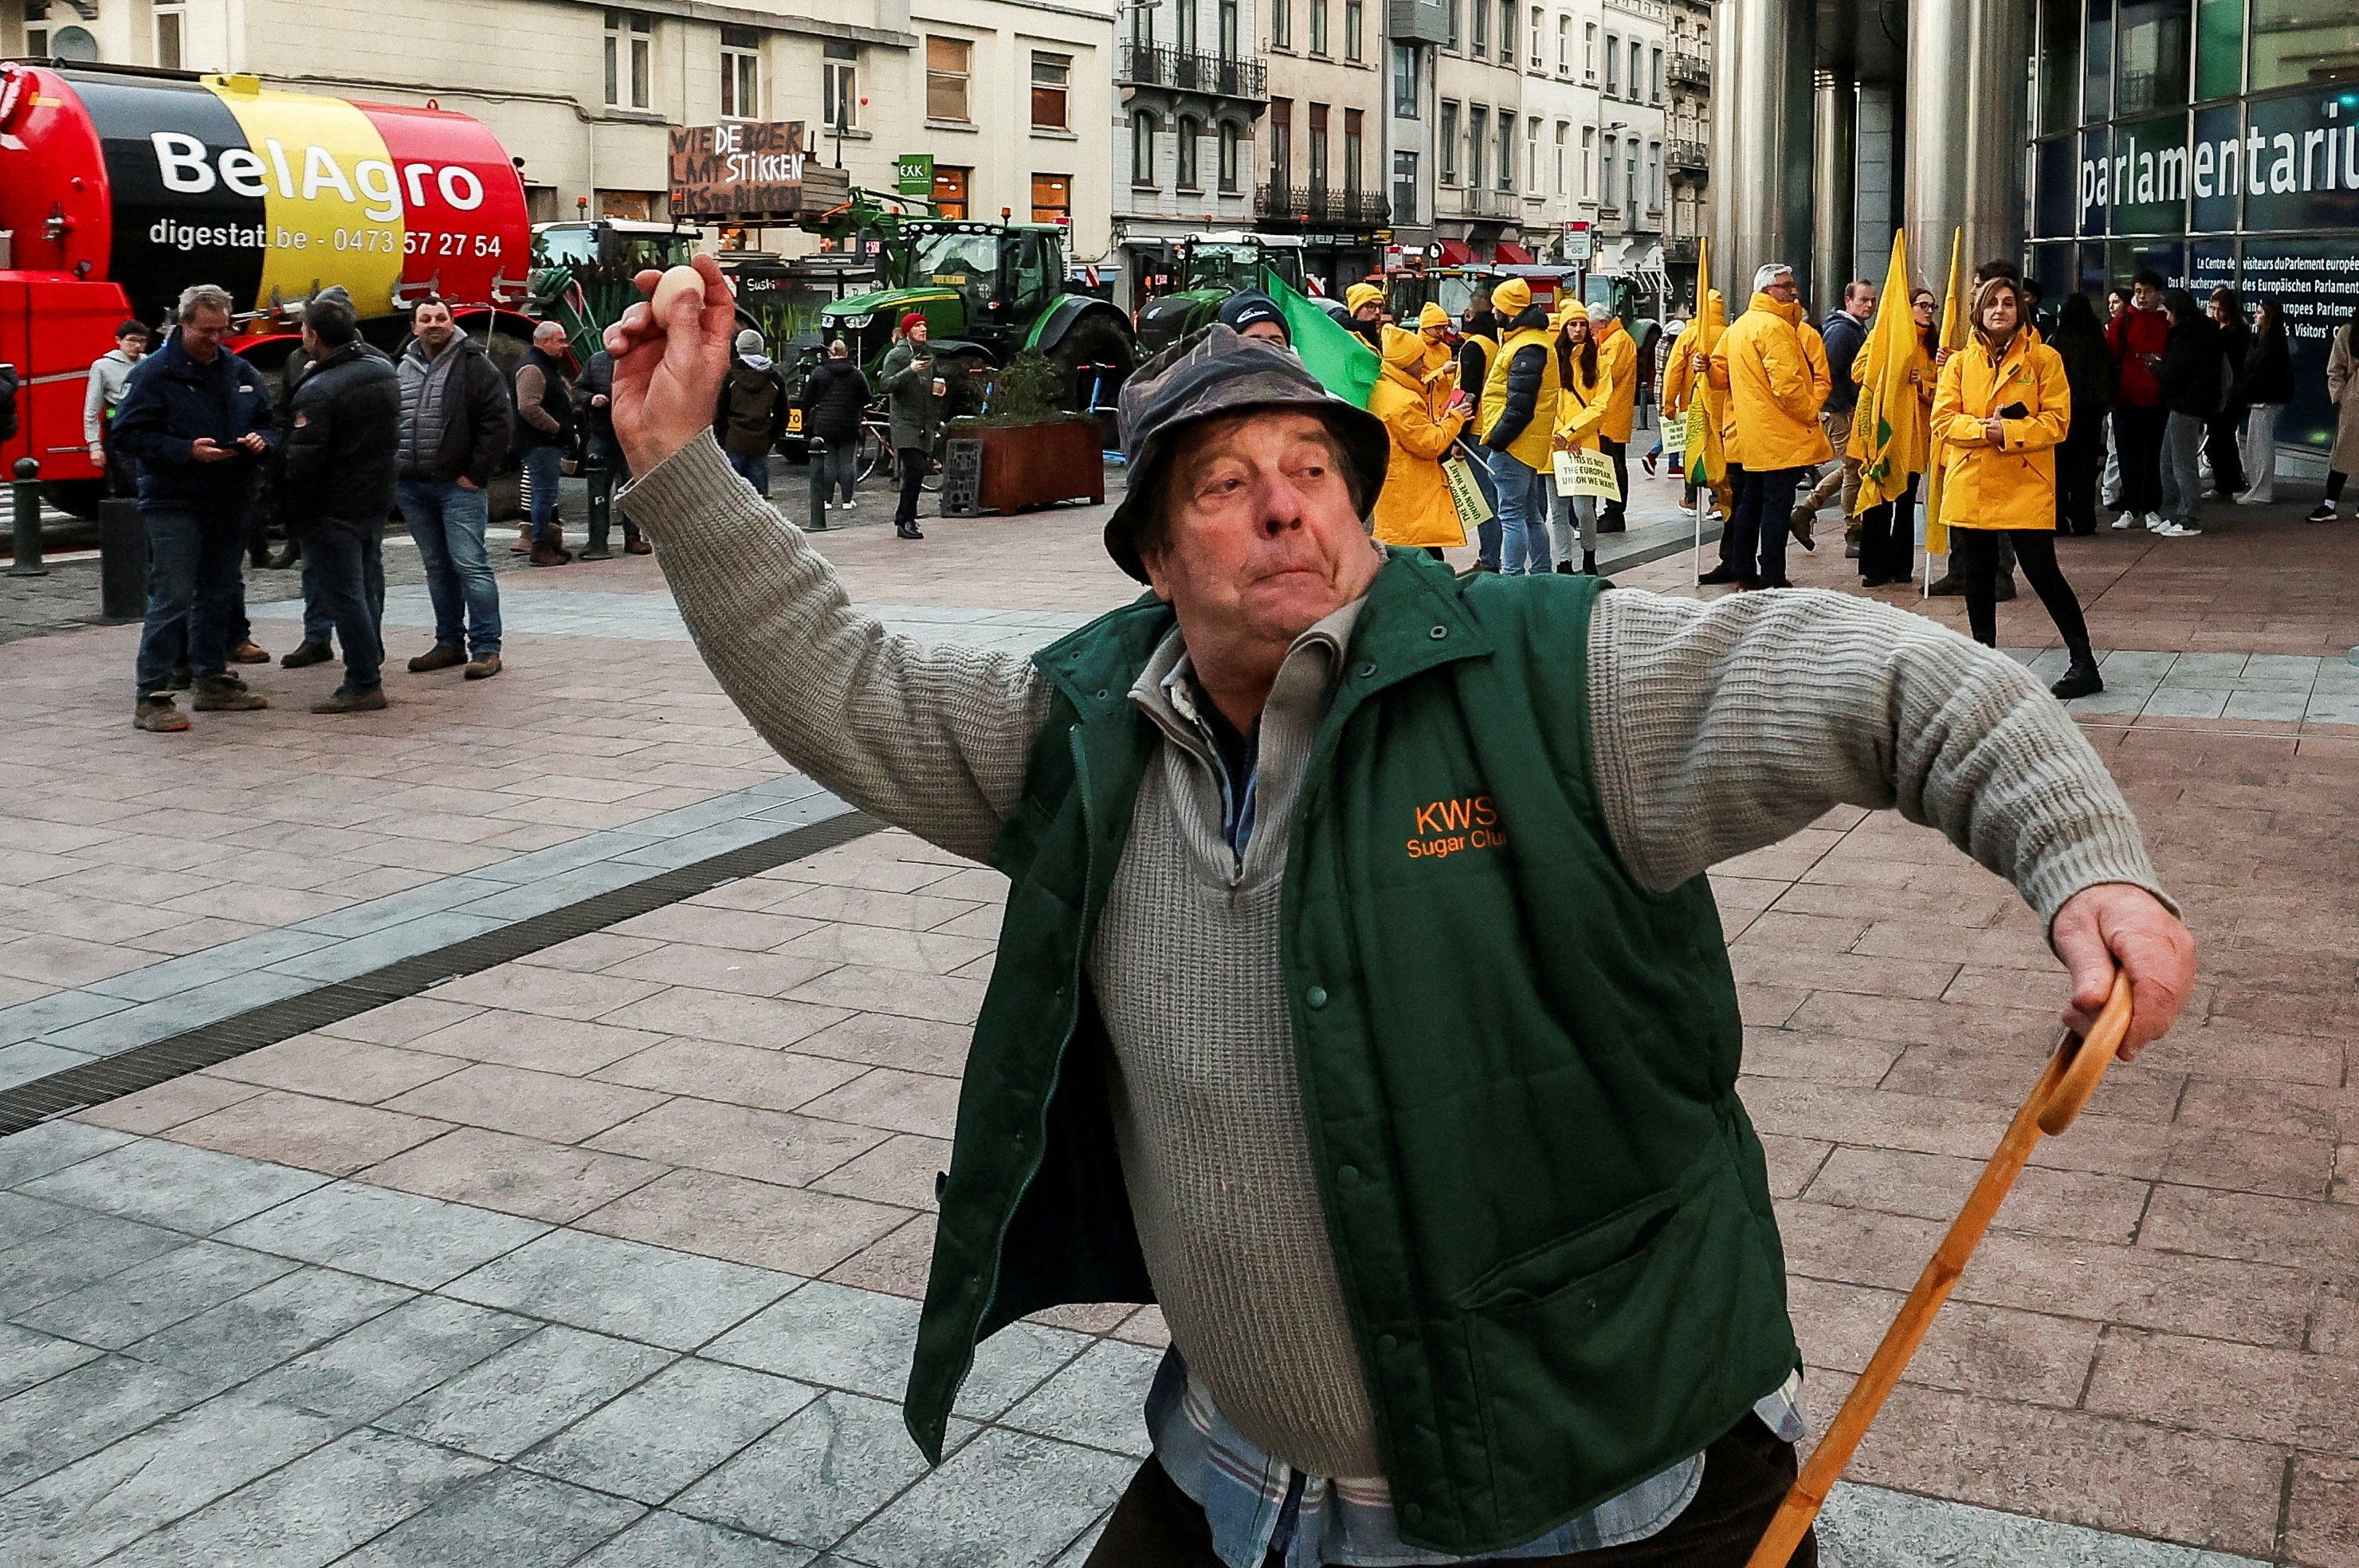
(2013, 411)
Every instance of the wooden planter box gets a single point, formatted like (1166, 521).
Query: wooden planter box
(1027, 466)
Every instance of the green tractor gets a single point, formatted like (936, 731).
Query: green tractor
(582, 271)
(1213, 266)
(988, 292)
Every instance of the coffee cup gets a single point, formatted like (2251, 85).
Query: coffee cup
(941, 386)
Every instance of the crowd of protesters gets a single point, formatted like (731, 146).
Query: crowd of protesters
(344, 439)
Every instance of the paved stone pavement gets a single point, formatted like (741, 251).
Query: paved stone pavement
(608, 1254)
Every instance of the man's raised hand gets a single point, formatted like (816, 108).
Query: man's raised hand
(668, 373)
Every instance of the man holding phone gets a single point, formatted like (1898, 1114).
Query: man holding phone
(196, 419)
(916, 393)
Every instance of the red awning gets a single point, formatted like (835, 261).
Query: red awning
(1512, 254)
(1457, 252)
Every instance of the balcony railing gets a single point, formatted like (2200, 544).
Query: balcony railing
(1344, 208)
(1689, 70)
(1680, 248)
(1481, 201)
(1191, 70)
(1684, 154)
(1418, 21)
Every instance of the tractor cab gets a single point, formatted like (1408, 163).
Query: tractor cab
(1213, 266)
(582, 270)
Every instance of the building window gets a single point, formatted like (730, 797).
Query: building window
(1654, 177)
(1535, 59)
(1446, 143)
(1052, 83)
(36, 31)
(1353, 145)
(1456, 43)
(169, 35)
(1318, 26)
(1612, 151)
(839, 85)
(1406, 95)
(1142, 150)
(1532, 153)
(1281, 140)
(741, 73)
(1142, 26)
(1478, 141)
(1319, 146)
(630, 61)
(1191, 132)
(1613, 66)
(1404, 188)
(1564, 44)
(1228, 157)
(1183, 28)
(2294, 43)
(1228, 29)
(950, 190)
(1563, 130)
(1507, 149)
(1507, 32)
(1480, 45)
(1655, 75)
(1052, 199)
(1635, 81)
(1630, 191)
(1354, 17)
(1588, 162)
(1281, 23)
(946, 64)
(1588, 50)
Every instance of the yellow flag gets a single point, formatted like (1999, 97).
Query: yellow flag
(1953, 338)
(1888, 426)
(1707, 462)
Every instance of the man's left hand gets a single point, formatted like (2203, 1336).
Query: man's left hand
(2118, 924)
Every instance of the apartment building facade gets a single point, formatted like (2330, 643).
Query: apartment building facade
(1322, 135)
(1194, 84)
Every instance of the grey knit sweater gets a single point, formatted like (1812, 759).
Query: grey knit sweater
(1719, 728)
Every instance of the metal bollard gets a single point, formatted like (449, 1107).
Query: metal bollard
(600, 476)
(122, 560)
(815, 456)
(28, 521)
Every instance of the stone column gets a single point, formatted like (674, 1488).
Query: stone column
(1964, 118)
(1761, 155)
(1834, 142)
(1877, 206)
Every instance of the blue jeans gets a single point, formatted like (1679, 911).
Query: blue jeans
(447, 520)
(1764, 515)
(194, 589)
(1523, 508)
(344, 574)
(543, 467)
(754, 471)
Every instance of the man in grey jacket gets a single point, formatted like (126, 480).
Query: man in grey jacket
(455, 432)
(1712, 728)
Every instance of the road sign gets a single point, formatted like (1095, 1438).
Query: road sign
(1576, 240)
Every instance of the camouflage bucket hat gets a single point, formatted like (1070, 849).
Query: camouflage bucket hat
(1211, 374)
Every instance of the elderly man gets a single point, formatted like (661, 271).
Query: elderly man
(196, 419)
(1776, 380)
(454, 437)
(544, 429)
(1451, 1270)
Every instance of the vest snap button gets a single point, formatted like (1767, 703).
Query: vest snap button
(1348, 1175)
(1367, 669)
(1102, 693)
(1316, 996)
(1388, 1343)
(1439, 632)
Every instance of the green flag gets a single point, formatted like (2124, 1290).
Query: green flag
(1338, 356)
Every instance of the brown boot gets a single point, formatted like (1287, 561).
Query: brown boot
(215, 695)
(344, 700)
(248, 653)
(157, 716)
(483, 667)
(522, 546)
(545, 554)
(441, 656)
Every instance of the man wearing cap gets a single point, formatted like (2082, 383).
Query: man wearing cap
(1366, 302)
(1255, 317)
(1516, 425)
(750, 415)
(1480, 1271)
(915, 396)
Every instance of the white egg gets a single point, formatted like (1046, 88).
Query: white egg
(675, 282)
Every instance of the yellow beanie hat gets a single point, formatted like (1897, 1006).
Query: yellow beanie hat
(1361, 294)
(1433, 315)
(1512, 299)
(1402, 348)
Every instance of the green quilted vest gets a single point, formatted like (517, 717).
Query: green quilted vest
(1550, 1212)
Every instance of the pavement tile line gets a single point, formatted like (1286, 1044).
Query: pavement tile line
(141, 1066)
(524, 1380)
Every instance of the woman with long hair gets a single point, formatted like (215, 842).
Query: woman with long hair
(2342, 390)
(1579, 413)
(2002, 407)
(2089, 371)
(2189, 377)
(1888, 531)
(2268, 382)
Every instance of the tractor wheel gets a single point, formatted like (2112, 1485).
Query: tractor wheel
(1096, 356)
(969, 375)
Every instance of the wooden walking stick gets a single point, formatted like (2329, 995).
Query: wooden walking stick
(2071, 1075)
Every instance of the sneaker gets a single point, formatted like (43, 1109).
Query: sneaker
(215, 695)
(483, 666)
(2176, 530)
(2154, 520)
(1851, 550)
(1649, 460)
(246, 652)
(2324, 511)
(441, 656)
(2126, 520)
(306, 655)
(1564, 568)
(157, 716)
(2081, 679)
(346, 700)
(180, 680)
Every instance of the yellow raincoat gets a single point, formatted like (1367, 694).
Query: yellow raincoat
(1774, 389)
(1584, 408)
(2013, 484)
(1617, 359)
(1415, 508)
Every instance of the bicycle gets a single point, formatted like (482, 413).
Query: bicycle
(877, 456)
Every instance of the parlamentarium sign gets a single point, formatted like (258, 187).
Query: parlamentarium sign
(2283, 156)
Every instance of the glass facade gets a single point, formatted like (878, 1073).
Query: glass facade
(2215, 141)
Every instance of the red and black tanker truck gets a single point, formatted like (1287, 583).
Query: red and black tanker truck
(120, 187)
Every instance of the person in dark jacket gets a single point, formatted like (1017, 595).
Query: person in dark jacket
(544, 433)
(319, 630)
(750, 414)
(1478, 340)
(197, 420)
(833, 397)
(2224, 433)
(2268, 387)
(604, 467)
(454, 436)
(915, 392)
(1843, 332)
(2189, 374)
(2089, 373)
(343, 441)
(1515, 422)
